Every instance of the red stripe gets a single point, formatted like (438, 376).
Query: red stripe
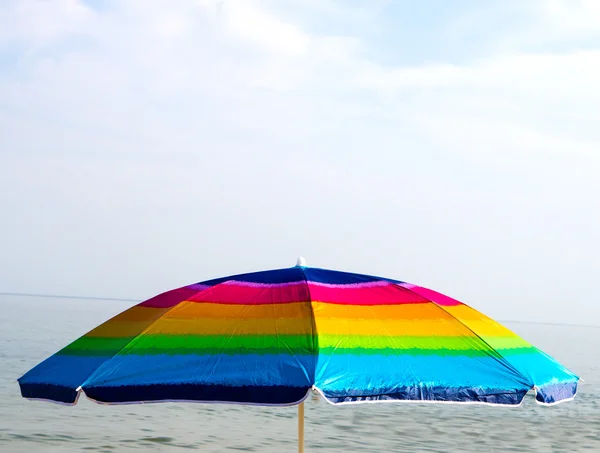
(233, 293)
(390, 294)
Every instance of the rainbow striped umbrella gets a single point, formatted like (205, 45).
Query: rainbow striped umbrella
(269, 338)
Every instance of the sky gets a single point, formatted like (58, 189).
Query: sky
(145, 145)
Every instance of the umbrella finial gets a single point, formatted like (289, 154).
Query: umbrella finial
(301, 262)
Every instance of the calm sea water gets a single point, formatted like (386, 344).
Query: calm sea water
(32, 329)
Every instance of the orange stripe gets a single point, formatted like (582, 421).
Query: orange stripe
(196, 310)
(129, 323)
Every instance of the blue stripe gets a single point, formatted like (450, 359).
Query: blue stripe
(65, 371)
(229, 370)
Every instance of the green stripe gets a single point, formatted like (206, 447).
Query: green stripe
(293, 344)
(462, 343)
(104, 344)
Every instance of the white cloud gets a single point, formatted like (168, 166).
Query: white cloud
(572, 17)
(207, 131)
(250, 23)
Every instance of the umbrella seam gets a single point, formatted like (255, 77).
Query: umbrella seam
(313, 325)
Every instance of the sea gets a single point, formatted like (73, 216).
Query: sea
(32, 328)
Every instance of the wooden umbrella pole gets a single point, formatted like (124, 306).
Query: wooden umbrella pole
(301, 427)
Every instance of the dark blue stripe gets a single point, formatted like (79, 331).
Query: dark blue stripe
(58, 393)
(317, 275)
(296, 274)
(553, 393)
(191, 392)
(289, 275)
(439, 394)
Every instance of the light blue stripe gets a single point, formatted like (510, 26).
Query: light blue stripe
(383, 372)
(541, 369)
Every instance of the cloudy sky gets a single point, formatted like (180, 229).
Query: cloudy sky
(149, 144)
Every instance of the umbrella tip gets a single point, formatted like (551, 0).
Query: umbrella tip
(300, 262)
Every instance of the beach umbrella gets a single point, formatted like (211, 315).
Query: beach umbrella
(271, 337)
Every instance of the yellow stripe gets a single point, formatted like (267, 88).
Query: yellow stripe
(401, 311)
(480, 323)
(391, 327)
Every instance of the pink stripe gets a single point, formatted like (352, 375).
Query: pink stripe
(432, 295)
(170, 298)
(234, 293)
(390, 294)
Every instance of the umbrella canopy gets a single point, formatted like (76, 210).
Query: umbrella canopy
(270, 337)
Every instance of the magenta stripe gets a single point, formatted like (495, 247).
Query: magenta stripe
(432, 295)
(170, 298)
(234, 293)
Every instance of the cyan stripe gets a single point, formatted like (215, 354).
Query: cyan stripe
(388, 374)
(540, 368)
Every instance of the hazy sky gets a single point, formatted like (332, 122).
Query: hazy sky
(145, 145)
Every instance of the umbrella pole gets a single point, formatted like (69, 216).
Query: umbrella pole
(301, 427)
